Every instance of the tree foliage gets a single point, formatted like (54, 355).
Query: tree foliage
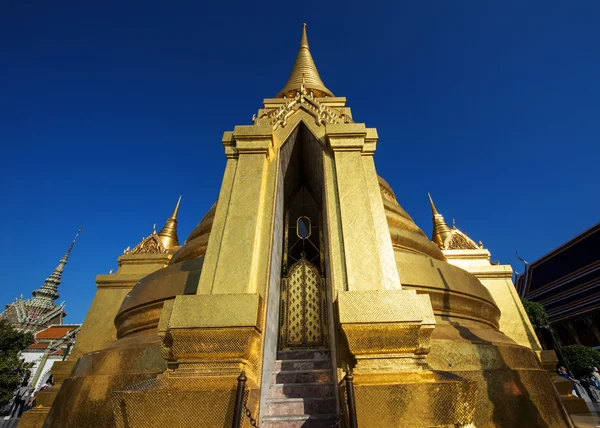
(581, 359)
(12, 367)
(536, 313)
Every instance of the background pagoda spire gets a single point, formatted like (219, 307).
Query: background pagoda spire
(304, 66)
(441, 231)
(168, 234)
(45, 296)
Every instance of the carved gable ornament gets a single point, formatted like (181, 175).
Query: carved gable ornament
(459, 241)
(150, 245)
(306, 101)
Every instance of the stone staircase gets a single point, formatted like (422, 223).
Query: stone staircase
(302, 391)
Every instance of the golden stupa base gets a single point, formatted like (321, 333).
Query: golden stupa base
(182, 402)
(513, 390)
(84, 399)
(390, 400)
(207, 340)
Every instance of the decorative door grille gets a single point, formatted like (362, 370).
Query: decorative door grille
(304, 312)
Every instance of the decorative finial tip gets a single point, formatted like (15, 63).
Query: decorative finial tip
(433, 209)
(176, 211)
(304, 64)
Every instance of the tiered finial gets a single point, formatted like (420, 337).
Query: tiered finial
(45, 296)
(304, 70)
(168, 234)
(441, 231)
(449, 239)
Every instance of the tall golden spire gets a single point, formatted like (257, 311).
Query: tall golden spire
(304, 66)
(168, 234)
(441, 231)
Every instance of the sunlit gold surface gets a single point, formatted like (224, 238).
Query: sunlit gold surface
(414, 399)
(421, 335)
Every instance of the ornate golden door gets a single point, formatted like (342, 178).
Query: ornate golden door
(303, 308)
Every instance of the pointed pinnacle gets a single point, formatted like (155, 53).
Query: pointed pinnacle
(440, 231)
(304, 38)
(304, 65)
(168, 234)
(176, 210)
(74, 239)
(47, 293)
(433, 210)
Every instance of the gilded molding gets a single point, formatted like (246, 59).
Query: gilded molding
(212, 334)
(348, 137)
(386, 329)
(229, 145)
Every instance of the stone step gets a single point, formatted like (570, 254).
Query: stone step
(300, 390)
(300, 406)
(304, 354)
(303, 364)
(300, 421)
(303, 376)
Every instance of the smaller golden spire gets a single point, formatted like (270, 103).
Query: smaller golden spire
(441, 231)
(168, 234)
(304, 70)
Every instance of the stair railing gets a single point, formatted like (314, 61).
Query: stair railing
(350, 393)
(239, 400)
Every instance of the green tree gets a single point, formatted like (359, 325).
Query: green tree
(536, 313)
(12, 367)
(581, 359)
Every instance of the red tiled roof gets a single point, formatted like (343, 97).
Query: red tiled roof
(54, 332)
(37, 346)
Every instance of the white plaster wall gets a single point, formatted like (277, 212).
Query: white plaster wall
(43, 370)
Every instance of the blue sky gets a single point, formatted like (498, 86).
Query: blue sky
(110, 110)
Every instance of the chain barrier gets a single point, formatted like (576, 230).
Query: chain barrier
(336, 423)
(249, 414)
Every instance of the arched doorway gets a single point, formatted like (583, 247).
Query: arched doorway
(303, 320)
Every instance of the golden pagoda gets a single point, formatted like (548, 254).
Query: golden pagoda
(306, 267)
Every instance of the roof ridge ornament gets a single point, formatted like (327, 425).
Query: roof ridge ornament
(302, 100)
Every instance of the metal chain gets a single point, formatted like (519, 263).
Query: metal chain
(337, 418)
(249, 414)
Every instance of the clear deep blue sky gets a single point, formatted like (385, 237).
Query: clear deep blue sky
(110, 110)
